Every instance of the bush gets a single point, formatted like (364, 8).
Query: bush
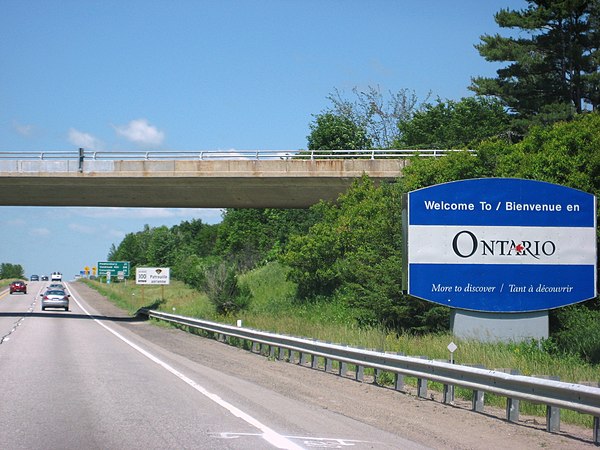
(579, 332)
(224, 291)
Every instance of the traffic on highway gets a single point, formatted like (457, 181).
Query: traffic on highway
(78, 378)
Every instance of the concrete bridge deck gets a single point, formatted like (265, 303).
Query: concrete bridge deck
(242, 183)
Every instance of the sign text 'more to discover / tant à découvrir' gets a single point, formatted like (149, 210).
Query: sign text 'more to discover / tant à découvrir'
(501, 245)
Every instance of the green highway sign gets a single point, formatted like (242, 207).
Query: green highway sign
(113, 267)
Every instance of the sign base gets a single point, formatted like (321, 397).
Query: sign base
(499, 327)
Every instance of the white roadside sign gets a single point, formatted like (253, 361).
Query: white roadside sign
(152, 275)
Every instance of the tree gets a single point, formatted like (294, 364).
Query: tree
(376, 115)
(250, 236)
(554, 72)
(163, 247)
(355, 254)
(334, 132)
(133, 248)
(8, 270)
(453, 124)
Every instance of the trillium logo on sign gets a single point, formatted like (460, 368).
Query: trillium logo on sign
(499, 245)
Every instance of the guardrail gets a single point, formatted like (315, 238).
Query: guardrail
(554, 394)
(261, 155)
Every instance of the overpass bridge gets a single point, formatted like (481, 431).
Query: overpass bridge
(192, 179)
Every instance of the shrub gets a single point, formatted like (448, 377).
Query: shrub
(579, 332)
(223, 290)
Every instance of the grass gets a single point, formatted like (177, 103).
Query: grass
(273, 309)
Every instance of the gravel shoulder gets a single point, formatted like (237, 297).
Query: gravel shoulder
(427, 421)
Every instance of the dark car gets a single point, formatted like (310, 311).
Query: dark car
(18, 286)
(34, 278)
(55, 298)
(44, 277)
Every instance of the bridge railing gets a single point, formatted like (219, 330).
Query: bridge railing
(260, 155)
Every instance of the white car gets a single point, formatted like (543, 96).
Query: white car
(56, 276)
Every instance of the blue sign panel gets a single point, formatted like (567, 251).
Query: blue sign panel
(501, 245)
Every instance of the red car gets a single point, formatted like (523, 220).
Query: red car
(18, 286)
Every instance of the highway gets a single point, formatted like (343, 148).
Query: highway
(81, 379)
(95, 378)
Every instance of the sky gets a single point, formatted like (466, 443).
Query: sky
(117, 75)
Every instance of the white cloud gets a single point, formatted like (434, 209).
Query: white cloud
(40, 232)
(117, 234)
(141, 132)
(78, 228)
(14, 222)
(84, 140)
(23, 129)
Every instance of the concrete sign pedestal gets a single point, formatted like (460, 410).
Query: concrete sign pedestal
(499, 327)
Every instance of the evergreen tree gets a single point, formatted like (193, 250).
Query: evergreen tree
(554, 72)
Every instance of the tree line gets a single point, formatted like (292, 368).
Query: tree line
(9, 270)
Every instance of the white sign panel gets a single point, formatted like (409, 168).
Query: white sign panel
(152, 275)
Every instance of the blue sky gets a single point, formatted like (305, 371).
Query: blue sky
(202, 75)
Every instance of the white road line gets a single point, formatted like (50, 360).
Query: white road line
(268, 434)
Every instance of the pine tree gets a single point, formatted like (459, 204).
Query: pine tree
(553, 69)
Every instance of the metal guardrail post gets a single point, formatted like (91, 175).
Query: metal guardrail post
(399, 378)
(512, 404)
(596, 431)
(552, 419)
(359, 373)
(343, 372)
(292, 356)
(552, 412)
(304, 358)
(478, 399)
(421, 388)
(398, 382)
(447, 389)
(376, 374)
(315, 362)
(422, 384)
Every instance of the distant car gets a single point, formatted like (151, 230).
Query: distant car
(44, 277)
(56, 276)
(55, 298)
(34, 278)
(18, 286)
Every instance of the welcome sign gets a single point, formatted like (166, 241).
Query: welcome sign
(500, 245)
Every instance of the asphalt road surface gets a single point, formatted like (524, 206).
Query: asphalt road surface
(94, 377)
(77, 379)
